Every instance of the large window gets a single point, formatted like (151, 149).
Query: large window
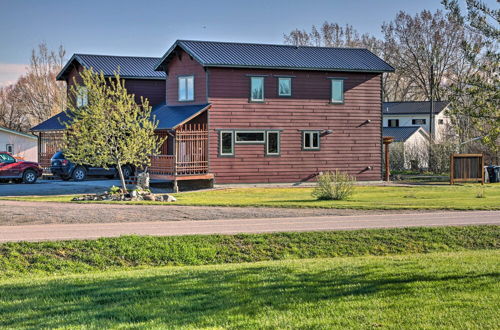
(337, 91)
(186, 88)
(257, 89)
(249, 137)
(310, 140)
(272, 143)
(284, 86)
(226, 143)
(393, 122)
(82, 97)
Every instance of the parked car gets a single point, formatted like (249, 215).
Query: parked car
(66, 170)
(18, 170)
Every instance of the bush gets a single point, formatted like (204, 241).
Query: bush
(334, 186)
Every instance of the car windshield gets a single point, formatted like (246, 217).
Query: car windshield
(58, 155)
(5, 158)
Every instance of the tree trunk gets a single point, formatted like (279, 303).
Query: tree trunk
(122, 179)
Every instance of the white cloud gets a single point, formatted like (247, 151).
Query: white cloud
(10, 72)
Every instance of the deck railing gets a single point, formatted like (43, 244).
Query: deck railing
(162, 165)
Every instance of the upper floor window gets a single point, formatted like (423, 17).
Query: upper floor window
(257, 89)
(418, 121)
(310, 140)
(337, 91)
(82, 97)
(284, 86)
(440, 121)
(186, 88)
(393, 123)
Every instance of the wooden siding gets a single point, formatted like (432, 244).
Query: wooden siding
(352, 147)
(152, 89)
(183, 65)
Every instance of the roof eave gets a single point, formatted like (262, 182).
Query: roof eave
(178, 43)
(295, 68)
(192, 116)
(61, 75)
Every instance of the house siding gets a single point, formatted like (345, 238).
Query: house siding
(352, 147)
(183, 65)
(152, 89)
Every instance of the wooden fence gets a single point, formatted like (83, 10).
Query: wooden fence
(467, 168)
(49, 144)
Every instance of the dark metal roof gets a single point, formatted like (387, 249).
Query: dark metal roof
(169, 117)
(412, 107)
(246, 55)
(129, 66)
(54, 123)
(402, 133)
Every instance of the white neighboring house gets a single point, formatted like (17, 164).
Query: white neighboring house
(20, 145)
(416, 113)
(414, 143)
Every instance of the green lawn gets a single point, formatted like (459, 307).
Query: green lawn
(78, 256)
(436, 290)
(443, 196)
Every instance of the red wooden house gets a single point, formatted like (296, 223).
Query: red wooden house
(237, 112)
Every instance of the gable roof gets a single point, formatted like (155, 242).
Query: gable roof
(250, 55)
(54, 123)
(131, 67)
(11, 131)
(169, 117)
(412, 107)
(402, 133)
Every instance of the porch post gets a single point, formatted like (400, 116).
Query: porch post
(387, 141)
(176, 187)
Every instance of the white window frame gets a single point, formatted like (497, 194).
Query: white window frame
(251, 89)
(82, 97)
(311, 133)
(221, 152)
(184, 80)
(250, 142)
(279, 86)
(331, 91)
(267, 143)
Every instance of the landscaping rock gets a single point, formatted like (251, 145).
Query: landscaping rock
(170, 198)
(150, 197)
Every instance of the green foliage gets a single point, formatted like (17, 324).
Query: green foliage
(114, 190)
(132, 251)
(112, 128)
(334, 186)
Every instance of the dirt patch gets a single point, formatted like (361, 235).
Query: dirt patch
(25, 213)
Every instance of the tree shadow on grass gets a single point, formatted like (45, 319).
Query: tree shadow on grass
(193, 298)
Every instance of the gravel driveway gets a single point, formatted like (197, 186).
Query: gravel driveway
(24, 213)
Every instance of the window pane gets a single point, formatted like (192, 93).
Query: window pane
(182, 89)
(257, 89)
(249, 136)
(226, 143)
(315, 140)
(285, 86)
(307, 140)
(272, 142)
(190, 88)
(337, 90)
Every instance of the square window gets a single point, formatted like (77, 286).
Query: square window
(226, 143)
(284, 86)
(257, 89)
(273, 143)
(186, 88)
(440, 121)
(393, 122)
(310, 140)
(337, 91)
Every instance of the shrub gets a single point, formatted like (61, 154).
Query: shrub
(334, 186)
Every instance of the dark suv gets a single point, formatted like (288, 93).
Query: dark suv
(63, 168)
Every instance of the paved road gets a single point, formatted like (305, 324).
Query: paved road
(263, 225)
(59, 187)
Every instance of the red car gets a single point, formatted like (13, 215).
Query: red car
(18, 170)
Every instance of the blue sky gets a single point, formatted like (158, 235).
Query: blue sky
(148, 28)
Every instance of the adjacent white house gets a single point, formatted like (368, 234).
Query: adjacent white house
(416, 114)
(412, 142)
(20, 145)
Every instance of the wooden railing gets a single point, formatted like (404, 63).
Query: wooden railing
(162, 165)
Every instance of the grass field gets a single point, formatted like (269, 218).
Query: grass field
(441, 196)
(64, 257)
(436, 290)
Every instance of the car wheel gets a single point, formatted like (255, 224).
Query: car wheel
(127, 171)
(79, 174)
(29, 176)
